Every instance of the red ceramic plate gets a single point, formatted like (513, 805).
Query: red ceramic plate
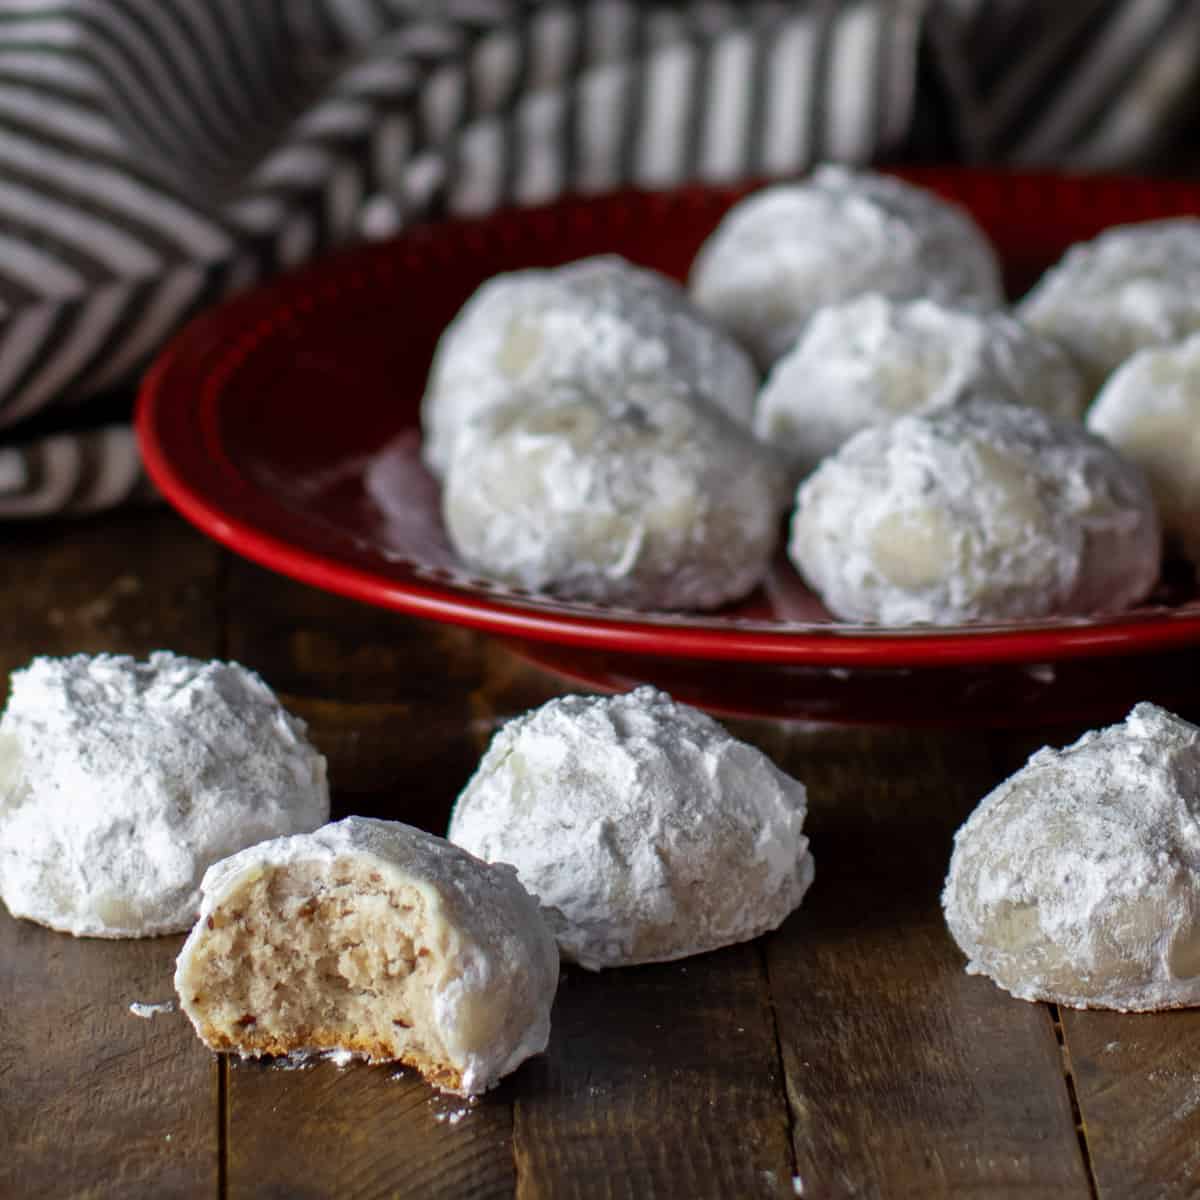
(267, 421)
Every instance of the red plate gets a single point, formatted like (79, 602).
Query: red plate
(263, 419)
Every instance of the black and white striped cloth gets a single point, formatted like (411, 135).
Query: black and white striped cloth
(156, 155)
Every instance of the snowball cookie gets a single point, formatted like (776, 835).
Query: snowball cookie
(654, 833)
(600, 321)
(872, 359)
(1078, 880)
(984, 511)
(1134, 286)
(639, 499)
(1150, 411)
(122, 781)
(375, 938)
(790, 249)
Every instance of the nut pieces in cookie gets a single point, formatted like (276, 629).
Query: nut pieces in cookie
(376, 939)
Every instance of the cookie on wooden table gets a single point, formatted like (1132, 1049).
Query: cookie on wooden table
(374, 938)
(122, 781)
(645, 828)
(1077, 880)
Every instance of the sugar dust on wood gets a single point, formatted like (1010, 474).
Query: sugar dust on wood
(147, 1010)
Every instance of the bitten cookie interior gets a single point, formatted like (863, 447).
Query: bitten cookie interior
(377, 939)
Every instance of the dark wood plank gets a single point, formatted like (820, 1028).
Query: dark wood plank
(361, 1131)
(1137, 1080)
(389, 700)
(93, 1100)
(661, 1080)
(906, 1077)
(129, 583)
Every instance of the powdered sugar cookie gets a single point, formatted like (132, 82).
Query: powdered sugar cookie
(788, 250)
(377, 939)
(600, 322)
(122, 781)
(1075, 881)
(640, 498)
(984, 511)
(873, 359)
(1134, 286)
(651, 831)
(1150, 411)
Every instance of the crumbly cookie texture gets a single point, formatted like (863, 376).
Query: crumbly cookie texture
(637, 498)
(648, 831)
(982, 511)
(1078, 879)
(873, 359)
(786, 251)
(1134, 286)
(600, 322)
(1150, 411)
(122, 781)
(374, 939)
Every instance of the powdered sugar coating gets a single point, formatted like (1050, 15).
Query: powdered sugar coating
(1150, 411)
(494, 962)
(982, 511)
(1134, 286)
(1077, 880)
(788, 250)
(651, 831)
(600, 322)
(639, 498)
(122, 781)
(873, 359)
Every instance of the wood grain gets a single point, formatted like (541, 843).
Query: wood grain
(361, 1132)
(660, 1080)
(1137, 1080)
(388, 700)
(906, 1077)
(93, 1100)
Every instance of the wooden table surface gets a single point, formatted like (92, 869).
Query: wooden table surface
(845, 1055)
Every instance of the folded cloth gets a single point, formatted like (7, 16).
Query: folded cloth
(156, 155)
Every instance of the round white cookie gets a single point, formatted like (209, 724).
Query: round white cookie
(1150, 411)
(984, 511)
(640, 498)
(788, 250)
(1075, 881)
(873, 359)
(1133, 286)
(377, 939)
(648, 830)
(121, 782)
(600, 322)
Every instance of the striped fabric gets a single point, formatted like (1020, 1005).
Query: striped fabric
(157, 154)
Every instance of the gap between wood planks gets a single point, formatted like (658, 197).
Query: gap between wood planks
(1064, 1050)
(765, 970)
(222, 1126)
